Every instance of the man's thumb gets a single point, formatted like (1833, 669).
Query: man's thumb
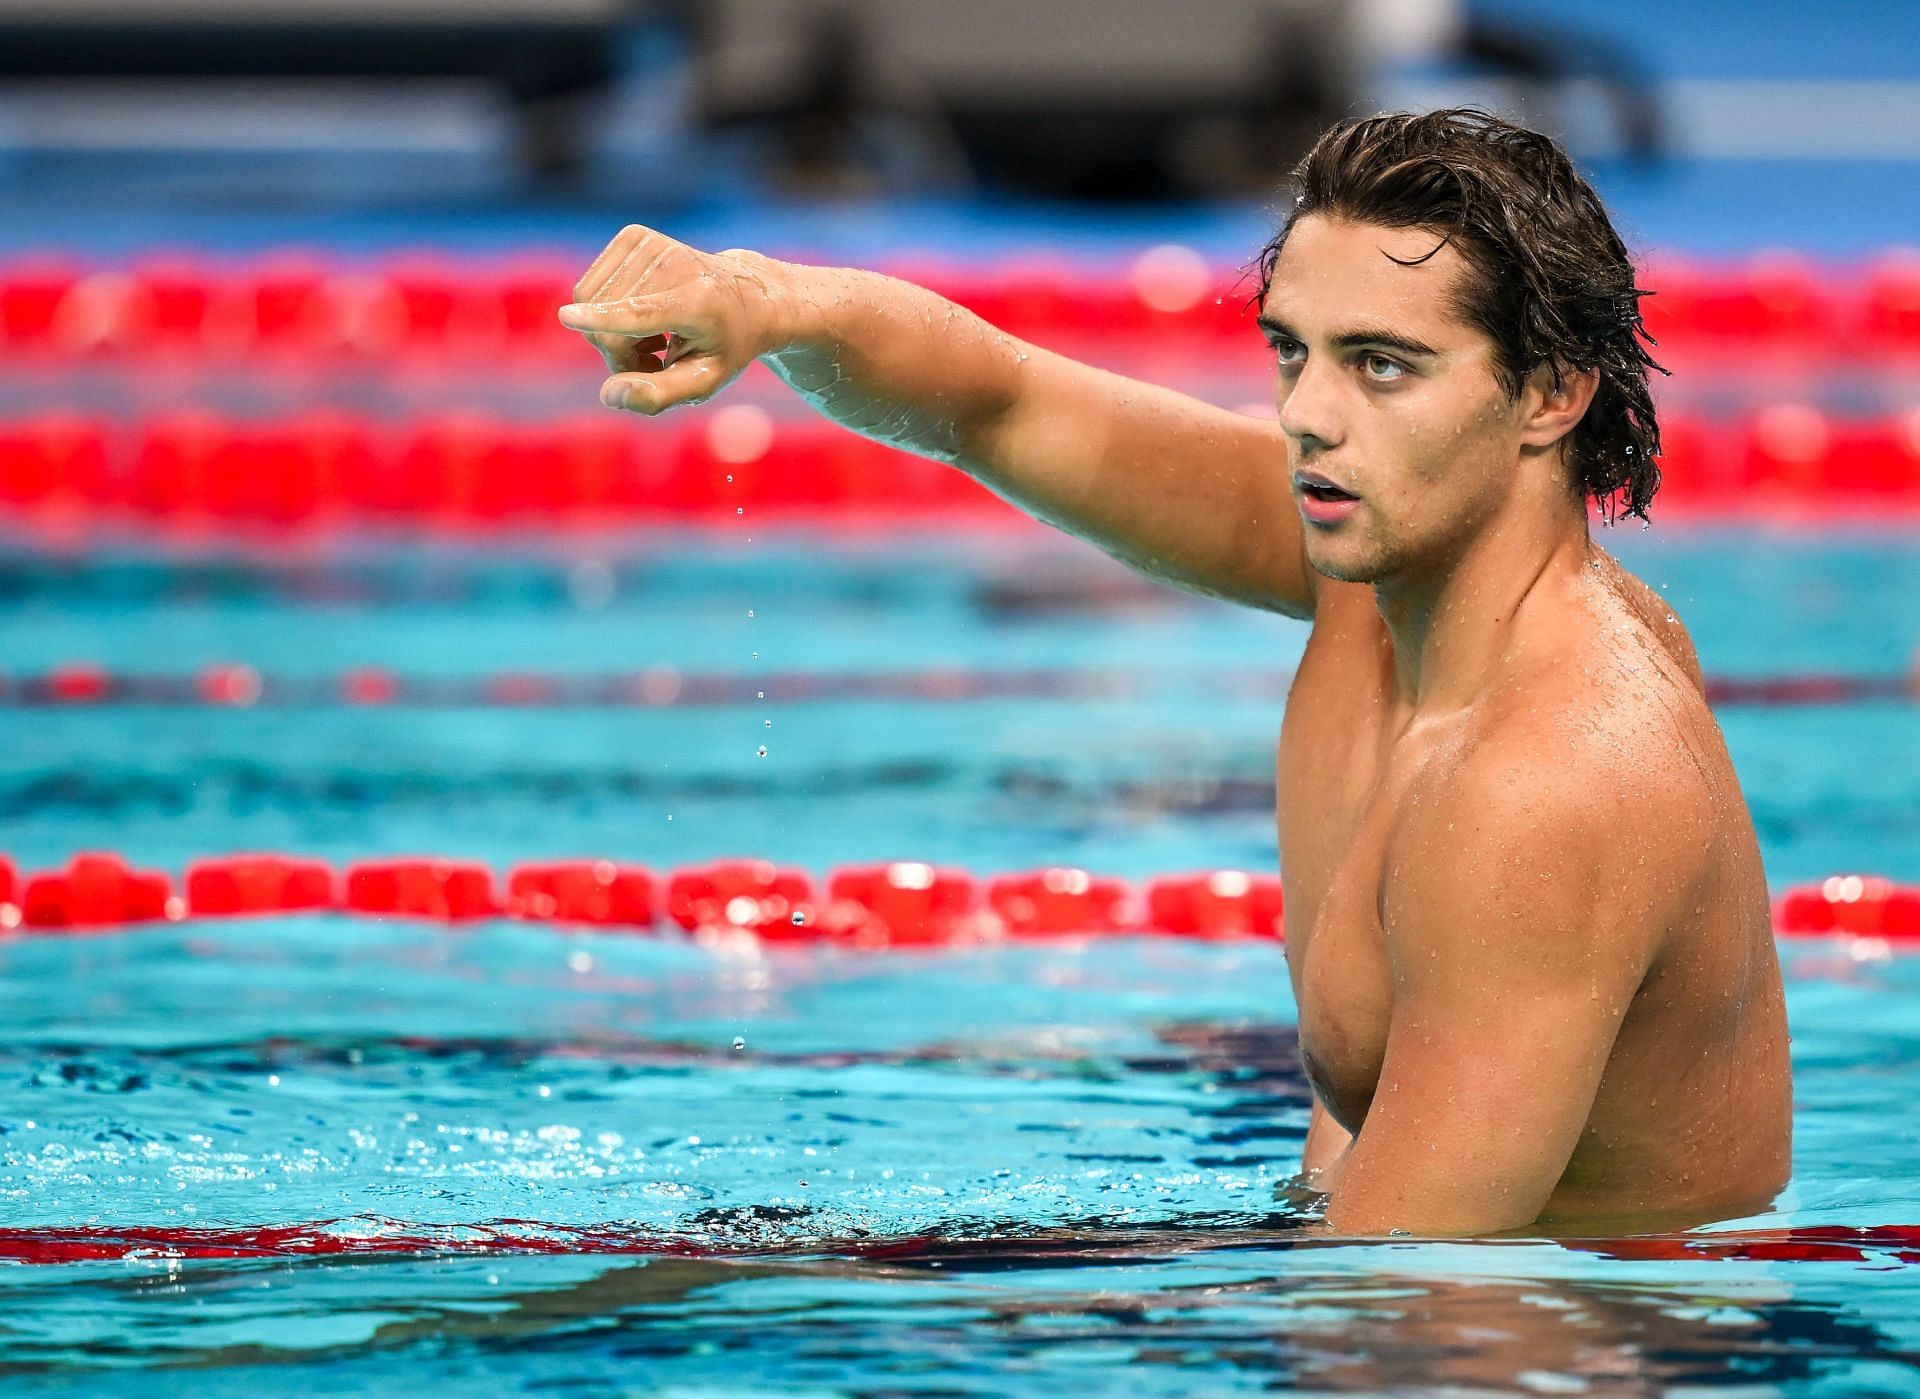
(683, 382)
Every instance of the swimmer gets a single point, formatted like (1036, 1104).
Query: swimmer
(1528, 929)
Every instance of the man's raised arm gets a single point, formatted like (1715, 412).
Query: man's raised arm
(1185, 492)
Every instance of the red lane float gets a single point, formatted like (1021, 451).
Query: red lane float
(425, 307)
(752, 896)
(1063, 900)
(1878, 1245)
(97, 891)
(231, 685)
(896, 904)
(240, 884)
(195, 468)
(1863, 906)
(902, 904)
(451, 890)
(1220, 904)
(582, 891)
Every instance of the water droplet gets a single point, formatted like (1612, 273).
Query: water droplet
(763, 750)
(739, 1043)
(799, 918)
(739, 509)
(760, 694)
(729, 478)
(770, 722)
(749, 611)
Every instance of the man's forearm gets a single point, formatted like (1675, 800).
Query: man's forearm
(1182, 490)
(890, 360)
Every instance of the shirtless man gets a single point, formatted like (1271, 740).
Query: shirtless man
(1527, 924)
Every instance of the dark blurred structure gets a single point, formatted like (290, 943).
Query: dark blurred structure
(1101, 99)
(1105, 100)
(1083, 98)
(548, 56)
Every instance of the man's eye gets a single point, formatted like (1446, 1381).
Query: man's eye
(1382, 368)
(1288, 351)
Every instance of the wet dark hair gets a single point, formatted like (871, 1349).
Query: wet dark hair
(1550, 281)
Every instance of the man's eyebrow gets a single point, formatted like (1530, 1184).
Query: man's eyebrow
(1354, 339)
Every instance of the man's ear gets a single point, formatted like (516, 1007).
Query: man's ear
(1553, 412)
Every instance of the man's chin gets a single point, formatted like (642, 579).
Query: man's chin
(1344, 567)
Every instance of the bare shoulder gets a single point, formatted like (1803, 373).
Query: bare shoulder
(1571, 810)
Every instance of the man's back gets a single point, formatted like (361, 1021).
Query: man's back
(1596, 694)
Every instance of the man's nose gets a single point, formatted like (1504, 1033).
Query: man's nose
(1310, 407)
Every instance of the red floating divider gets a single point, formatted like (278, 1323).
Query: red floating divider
(753, 896)
(1858, 905)
(369, 685)
(31, 295)
(899, 904)
(582, 891)
(1063, 901)
(903, 904)
(78, 683)
(235, 685)
(53, 461)
(97, 891)
(1221, 904)
(467, 470)
(425, 888)
(236, 884)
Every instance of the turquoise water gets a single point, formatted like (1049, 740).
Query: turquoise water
(1005, 1170)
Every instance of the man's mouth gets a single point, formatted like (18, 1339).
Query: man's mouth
(1313, 484)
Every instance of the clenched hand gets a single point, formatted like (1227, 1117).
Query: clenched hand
(675, 325)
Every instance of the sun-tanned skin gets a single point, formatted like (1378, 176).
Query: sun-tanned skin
(1527, 924)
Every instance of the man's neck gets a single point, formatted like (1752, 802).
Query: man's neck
(1451, 625)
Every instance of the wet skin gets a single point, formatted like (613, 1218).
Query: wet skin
(1528, 927)
(1527, 923)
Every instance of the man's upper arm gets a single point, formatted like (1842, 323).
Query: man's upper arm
(1516, 950)
(1186, 492)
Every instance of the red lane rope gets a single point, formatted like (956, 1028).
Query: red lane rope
(900, 904)
(241, 686)
(1896, 1244)
(294, 305)
(194, 469)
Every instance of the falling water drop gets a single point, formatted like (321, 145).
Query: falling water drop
(739, 1043)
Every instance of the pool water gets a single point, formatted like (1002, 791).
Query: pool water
(636, 1164)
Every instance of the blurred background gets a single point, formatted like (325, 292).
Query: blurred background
(258, 209)
(287, 423)
(244, 212)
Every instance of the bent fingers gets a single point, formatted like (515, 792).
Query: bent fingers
(651, 393)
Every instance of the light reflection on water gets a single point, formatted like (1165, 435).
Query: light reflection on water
(1015, 1170)
(1032, 1180)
